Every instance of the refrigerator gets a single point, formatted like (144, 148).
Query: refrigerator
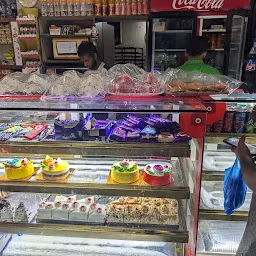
(226, 35)
(226, 26)
(168, 37)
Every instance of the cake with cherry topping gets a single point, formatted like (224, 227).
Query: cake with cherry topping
(157, 174)
(78, 212)
(97, 213)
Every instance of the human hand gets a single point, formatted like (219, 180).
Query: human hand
(242, 151)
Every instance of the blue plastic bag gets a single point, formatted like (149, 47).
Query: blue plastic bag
(234, 188)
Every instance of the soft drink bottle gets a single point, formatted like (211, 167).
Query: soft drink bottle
(250, 69)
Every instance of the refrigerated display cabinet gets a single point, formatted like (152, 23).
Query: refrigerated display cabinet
(219, 234)
(86, 158)
(226, 31)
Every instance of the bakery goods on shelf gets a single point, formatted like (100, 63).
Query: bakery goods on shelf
(54, 168)
(71, 209)
(140, 210)
(125, 171)
(97, 213)
(6, 211)
(20, 214)
(180, 86)
(161, 211)
(157, 174)
(10, 214)
(18, 168)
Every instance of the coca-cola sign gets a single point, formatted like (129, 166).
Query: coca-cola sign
(198, 5)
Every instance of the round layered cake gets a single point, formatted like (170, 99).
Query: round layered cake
(18, 168)
(157, 174)
(125, 171)
(54, 168)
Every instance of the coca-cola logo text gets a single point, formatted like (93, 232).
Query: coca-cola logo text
(197, 4)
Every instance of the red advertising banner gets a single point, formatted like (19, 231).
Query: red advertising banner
(198, 5)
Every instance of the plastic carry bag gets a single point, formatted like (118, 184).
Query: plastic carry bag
(179, 81)
(234, 188)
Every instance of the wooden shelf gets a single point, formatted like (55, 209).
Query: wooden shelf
(62, 36)
(7, 20)
(214, 30)
(98, 18)
(62, 61)
(99, 232)
(221, 215)
(142, 17)
(13, 67)
(67, 18)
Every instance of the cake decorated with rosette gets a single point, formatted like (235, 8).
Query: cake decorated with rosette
(18, 168)
(125, 172)
(157, 174)
(54, 168)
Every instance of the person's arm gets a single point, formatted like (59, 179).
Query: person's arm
(247, 164)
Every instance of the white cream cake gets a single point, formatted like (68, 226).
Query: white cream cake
(78, 212)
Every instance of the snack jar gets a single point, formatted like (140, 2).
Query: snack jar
(98, 8)
(140, 7)
(129, 7)
(70, 7)
(123, 7)
(118, 7)
(56, 8)
(134, 7)
(145, 6)
(77, 8)
(104, 7)
(89, 8)
(63, 8)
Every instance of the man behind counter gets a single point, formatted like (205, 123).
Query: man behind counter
(88, 54)
(196, 52)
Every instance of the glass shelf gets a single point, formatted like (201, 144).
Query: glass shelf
(128, 105)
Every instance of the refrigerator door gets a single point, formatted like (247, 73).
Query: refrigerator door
(235, 43)
(169, 33)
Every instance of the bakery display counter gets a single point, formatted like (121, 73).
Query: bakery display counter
(219, 238)
(59, 246)
(91, 176)
(144, 156)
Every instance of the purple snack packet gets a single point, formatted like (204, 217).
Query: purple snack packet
(181, 138)
(148, 134)
(133, 136)
(118, 134)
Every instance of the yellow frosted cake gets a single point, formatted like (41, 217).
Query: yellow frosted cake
(18, 168)
(54, 168)
(125, 171)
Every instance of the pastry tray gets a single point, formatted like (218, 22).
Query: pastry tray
(212, 196)
(218, 161)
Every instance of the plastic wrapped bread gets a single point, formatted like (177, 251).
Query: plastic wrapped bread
(179, 81)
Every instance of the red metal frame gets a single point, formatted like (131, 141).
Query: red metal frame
(216, 109)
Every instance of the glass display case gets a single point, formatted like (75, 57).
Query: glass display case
(94, 188)
(219, 234)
